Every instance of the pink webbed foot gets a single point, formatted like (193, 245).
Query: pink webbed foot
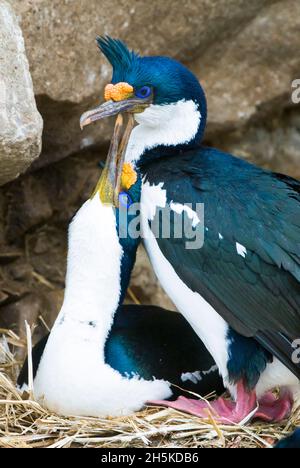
(272, 409)
(223, 411)
(269, 408)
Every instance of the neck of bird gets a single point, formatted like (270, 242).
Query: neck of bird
(165, 129)
(93, 273)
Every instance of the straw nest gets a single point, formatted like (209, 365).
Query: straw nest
(24, 423)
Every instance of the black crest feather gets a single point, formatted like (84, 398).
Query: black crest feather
(116, 52)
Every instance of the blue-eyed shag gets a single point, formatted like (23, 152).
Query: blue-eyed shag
(240, 287)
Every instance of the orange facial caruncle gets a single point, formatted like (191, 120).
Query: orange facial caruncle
(129, 176)
(118, 92)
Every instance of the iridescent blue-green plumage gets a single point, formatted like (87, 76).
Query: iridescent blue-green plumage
(247, 359)
(258, 294)
(291, 442)
(170, 80)
(129, 243)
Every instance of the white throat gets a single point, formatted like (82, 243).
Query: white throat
(169, 124)
(93, 270)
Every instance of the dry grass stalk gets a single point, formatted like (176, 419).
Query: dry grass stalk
(24, 423)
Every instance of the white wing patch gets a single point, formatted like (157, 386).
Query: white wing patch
(209, 371)
(241, 250)
(197, 376)
(179, 208)
(154, 196)
(194, 377)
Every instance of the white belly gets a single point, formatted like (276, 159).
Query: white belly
(73, 379)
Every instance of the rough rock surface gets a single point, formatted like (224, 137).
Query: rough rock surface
(245, 53)
(275, 145)
(250, 74)
(20, 122)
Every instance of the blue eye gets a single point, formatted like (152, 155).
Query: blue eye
(143, 92)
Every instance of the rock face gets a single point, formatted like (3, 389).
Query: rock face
(250, 74)
(245, 53)
(20, 122)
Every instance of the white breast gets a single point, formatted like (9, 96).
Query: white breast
(206, 322)
(72, 378)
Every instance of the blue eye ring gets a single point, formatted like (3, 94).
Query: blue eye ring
(143, 92)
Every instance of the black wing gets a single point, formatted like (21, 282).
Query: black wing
(257, 292)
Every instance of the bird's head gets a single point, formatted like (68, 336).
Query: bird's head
(158, 93)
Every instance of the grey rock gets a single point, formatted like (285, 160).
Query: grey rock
(20, 122)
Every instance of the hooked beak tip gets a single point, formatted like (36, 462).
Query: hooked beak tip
(84, 121)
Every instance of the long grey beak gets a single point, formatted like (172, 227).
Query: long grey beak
(109, 185)
(110, 108)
